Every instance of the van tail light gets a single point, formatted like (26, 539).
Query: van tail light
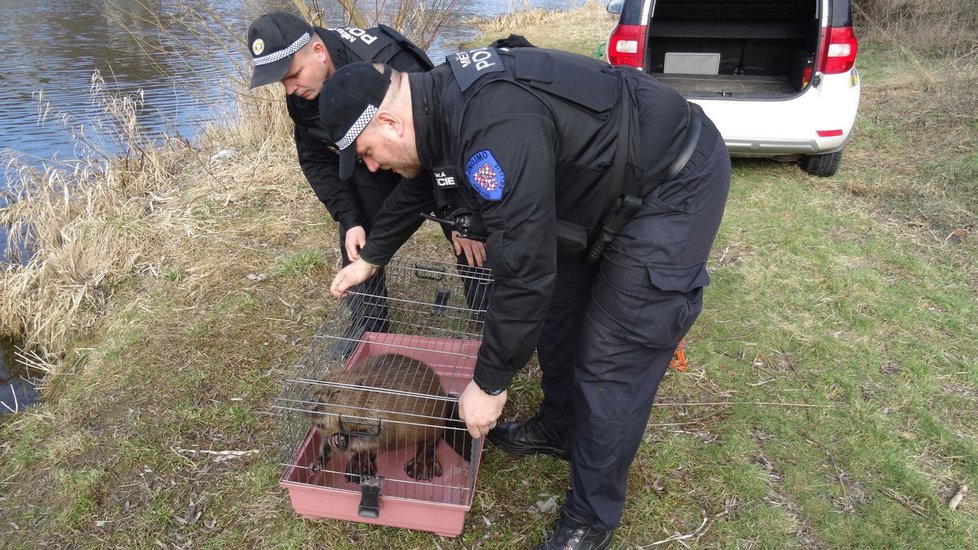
(806, 76)
(807, 71)
(626, 46)
(838, 52)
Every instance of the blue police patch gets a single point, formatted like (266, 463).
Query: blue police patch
(485, 175)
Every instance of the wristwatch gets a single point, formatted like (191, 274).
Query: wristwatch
(487, 390)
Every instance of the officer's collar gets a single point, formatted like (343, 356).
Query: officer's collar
(338, 52)
(427, 125)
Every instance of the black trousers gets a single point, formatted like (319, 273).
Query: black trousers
(612, 328)
(367, 301)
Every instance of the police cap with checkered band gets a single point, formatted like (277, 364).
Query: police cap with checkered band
(273, 40)
(347, 103)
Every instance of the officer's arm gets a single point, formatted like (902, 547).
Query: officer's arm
(398, 219)
(517, 146)
(321, 168)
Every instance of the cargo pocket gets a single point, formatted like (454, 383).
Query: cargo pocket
(675, 300)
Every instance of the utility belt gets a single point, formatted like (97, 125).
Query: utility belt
(627, 202)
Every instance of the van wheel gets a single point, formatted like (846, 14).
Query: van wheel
(822, 165)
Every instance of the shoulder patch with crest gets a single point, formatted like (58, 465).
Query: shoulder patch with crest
(485, 175)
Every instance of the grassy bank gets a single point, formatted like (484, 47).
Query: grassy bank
(829, 401)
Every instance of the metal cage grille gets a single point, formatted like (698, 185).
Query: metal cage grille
(367, 418)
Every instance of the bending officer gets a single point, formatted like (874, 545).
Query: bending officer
(599, 204)
(287, 49)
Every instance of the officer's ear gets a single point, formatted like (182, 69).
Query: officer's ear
(388, 121)
(321, 53)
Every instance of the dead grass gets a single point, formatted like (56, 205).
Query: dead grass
(944, 28)
(582, 30)
(921, 167)
(97, 224)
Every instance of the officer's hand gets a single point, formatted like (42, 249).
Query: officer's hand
(351, 275)
(356, 237)
(480, 410)
(475, 251)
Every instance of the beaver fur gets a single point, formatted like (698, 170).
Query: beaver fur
(383, 403)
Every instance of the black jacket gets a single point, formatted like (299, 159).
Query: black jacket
(529, 136)
(321, 166)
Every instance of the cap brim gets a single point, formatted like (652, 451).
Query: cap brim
(348, 159)
(272, 72)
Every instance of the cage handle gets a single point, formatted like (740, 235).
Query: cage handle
(359, 428)
(430, 276)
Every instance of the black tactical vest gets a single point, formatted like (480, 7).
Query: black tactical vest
(379, 44)
(580, 92)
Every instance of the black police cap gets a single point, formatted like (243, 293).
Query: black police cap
(273, 40)
(347, 103)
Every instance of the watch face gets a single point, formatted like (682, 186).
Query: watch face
(492, 392)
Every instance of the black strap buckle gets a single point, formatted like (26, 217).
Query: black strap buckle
(624, 209)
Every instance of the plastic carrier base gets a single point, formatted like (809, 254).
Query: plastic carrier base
(438, 505)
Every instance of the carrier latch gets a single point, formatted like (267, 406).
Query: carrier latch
(370, 496)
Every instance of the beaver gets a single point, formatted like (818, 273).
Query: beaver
(385, 402)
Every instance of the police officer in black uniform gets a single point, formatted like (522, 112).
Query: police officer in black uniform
(599, 192)
(287, 49)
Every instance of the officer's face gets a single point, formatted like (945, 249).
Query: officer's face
(383, 148)
(311, 67)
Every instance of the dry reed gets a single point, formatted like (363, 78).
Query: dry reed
(420, 21)
(96, 222)
(938, 27)
(572, 31)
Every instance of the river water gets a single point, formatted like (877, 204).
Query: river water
(49, 52)
(17, 388)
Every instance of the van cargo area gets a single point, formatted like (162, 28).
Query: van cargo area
(761, 49)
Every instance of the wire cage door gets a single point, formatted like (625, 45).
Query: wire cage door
(367, 419)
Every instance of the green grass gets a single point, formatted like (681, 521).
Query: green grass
(299, 264)
(78, 487)
(24, 439)
(827, 298)
(174, 274)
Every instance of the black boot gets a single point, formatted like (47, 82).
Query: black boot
(526, 438)
(574, 534)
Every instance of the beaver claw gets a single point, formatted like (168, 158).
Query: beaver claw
(424, 466)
